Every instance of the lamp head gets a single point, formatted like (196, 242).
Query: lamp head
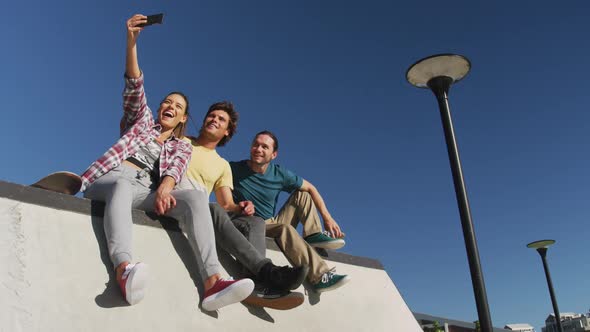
(452, 66)
(540, 244)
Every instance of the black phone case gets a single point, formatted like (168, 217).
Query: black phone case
(153, 19)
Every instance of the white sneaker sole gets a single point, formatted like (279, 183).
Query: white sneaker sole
(339, 284)
(136, 283)
(333, 245)
(235, 293)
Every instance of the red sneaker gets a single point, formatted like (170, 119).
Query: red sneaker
(134, 282)
(225, 292)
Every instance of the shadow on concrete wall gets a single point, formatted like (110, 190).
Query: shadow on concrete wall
(111, 296)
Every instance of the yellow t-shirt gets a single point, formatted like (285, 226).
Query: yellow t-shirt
(208, 169)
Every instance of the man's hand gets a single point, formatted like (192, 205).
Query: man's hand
(331, 226)
(247, 208)
(164, 200)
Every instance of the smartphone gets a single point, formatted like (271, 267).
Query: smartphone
(153, 19)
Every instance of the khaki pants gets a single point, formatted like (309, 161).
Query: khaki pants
(298, 208)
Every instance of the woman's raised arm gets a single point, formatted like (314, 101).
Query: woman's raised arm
(131, 65)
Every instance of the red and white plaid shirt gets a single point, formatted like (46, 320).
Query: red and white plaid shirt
(137, 129)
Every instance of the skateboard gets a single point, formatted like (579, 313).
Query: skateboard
(280, 301)
(61, 182)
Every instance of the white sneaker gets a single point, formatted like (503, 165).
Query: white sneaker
(134, 282)
(226, 292)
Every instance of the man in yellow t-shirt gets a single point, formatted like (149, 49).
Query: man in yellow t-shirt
(209, 172)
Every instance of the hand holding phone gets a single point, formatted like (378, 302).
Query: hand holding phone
(152, 19)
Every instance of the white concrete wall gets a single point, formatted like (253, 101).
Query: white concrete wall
(55, 276)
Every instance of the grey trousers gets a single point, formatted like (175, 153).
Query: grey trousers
(254, 230)
(230, 239)
(125, 187)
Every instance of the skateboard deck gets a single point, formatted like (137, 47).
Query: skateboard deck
(286, 301)
(61, 182)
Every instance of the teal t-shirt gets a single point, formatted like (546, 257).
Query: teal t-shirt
(262, 189)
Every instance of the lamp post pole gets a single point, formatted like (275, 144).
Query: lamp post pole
(438, 73)
(541, 247)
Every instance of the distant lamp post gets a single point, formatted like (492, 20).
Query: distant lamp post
(541, 247)
(437, 73)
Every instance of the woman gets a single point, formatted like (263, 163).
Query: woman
(141, 171)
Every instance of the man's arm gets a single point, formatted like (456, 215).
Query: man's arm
(330, 224)
(225, 199)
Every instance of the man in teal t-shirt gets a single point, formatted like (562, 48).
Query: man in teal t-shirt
(260, 181)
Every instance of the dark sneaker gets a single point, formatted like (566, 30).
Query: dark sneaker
(134, 282)
(275, 299)
(283, 277)
(331, 281)
(324, 240)
(226, 292)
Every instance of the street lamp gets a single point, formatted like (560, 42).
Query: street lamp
(437, 73)
(541, 247)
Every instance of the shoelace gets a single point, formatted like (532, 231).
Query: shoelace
(328, 234)
(226, 279)
(326, 277)
(128, 269)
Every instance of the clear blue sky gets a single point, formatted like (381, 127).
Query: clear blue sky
(329, 78)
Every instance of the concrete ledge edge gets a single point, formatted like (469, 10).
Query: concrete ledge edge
(36, 196)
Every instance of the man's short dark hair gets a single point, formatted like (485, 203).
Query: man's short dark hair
(271, 135)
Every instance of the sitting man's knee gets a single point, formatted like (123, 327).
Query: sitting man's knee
(256, 223)
(215, 209)
(286, 228)
(301, 195)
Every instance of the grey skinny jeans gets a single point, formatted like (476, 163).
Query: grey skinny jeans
(125, 187)
(230, 239)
